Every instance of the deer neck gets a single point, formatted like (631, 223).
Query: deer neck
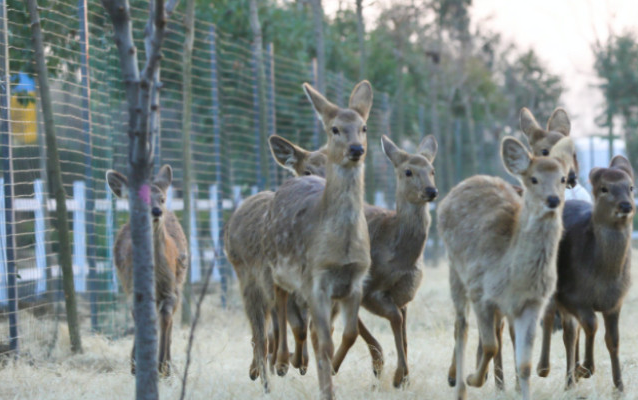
(613, 245)
(343, 196)
(159, 243)
(413, 222)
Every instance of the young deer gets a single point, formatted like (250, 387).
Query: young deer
(502, 248)
(171, 258)
(242, 244)
(397, 239)
(594, 263)
(317, 237)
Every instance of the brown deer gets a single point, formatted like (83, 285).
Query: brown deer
(242, 244)
(594, 263)
(502, 249)
(171, 259)
(317, 238)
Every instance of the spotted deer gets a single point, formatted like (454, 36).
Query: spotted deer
(242, 244)
(594, 263)
(170, 254)
(397, 240)
(317, 239)
(502, 248)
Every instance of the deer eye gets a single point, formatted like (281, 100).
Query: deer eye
(545, 152)
(562, 179)
(335, 130)
(534, 180)
(631, 188)
(433, 173)
(604, 189)
(365, 128)
(307, 173)
(408, 172)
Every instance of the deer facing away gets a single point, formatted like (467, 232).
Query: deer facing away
(317, 238)
(502, 249)
(171, 258)
(242, 244)
(594, 262)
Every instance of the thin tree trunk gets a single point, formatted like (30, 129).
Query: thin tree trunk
(317, 18)
(362, 42)
(55, 181)
(471, 131)
(142, 93)
(189, 26)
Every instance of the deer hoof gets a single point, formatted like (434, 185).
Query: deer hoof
(584, 372)
(164, 370)
(475, 380)
(253, 373)
(542, 370)
(282, 369)
(400, 378)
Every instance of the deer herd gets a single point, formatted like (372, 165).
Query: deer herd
(313, 249)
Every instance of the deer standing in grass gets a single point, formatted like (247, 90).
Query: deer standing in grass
(502, 249)
(170, 253)
(397, 239)
(594, 263)
(242, 244)
(317, 237)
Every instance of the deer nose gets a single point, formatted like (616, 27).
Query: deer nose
(431, 193)
(553, 201)
(571, 179)
(625, 207)
(356, 151)
(157, 212)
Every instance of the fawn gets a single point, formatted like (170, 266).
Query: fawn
(316, 238)
(242, 244)
(502, 248)
(397, 240)
(594, 262)
(171, 259)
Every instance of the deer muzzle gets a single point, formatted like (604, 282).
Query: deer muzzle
(355, 152)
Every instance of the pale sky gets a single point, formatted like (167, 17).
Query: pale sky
(561, 32)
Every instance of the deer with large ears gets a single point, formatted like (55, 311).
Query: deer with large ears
(594, 264)
(317, 237)
(242, 244)
(542, 140)
(397, 239)
(502, 250)
(170, 250)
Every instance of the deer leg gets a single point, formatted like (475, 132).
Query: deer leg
(320, 308)
(258, 312)
(455, 374)
(486, 318)
(570, 331)
(542, 368)
(525, 330)
(404, 314)
(273, 339)
(498, 358)
(133, 350)
(167, 308)
(350, 309)
(612, 341)
(281, 365)
(299, 324)
(589, 323)
(513, 340)
(374, 347)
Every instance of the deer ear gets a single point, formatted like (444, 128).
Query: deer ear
(287, 154)
(428, 147)
(559, 122)
(324, 109)
(515, 156)
(564, 151)
(394, 153)
(164, 177)
(594, 175)
(623, 164)
(530, 127)
(361, 99)
(117, 182)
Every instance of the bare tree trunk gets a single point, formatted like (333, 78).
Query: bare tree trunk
(471, 131)
(189, 26)
(55, 180)
(362, 42)
(143, 106)
(317, 18)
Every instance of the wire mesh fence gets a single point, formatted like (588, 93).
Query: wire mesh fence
(229, 158)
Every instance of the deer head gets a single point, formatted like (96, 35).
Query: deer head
(544, 178)
(613, 191)
(345, 127)
(414, 172)
(542, 140)
(297, 160)
(118, 183)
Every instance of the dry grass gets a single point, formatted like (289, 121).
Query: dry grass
(222, 352)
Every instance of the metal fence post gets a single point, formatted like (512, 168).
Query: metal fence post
(259, 178)
(40, 242)
(316, 128)
(271, 113)
(7, 169)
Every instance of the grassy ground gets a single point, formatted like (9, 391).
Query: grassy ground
(222, 353)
